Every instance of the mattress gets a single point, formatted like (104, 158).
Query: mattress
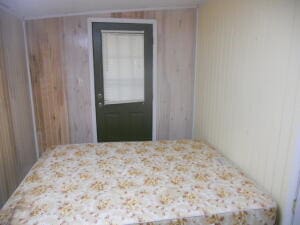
(164, 182)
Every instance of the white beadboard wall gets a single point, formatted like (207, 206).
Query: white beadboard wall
(247, 100)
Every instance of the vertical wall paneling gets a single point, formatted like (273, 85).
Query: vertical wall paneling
(45, 47)
(248, 75)
(8, 163)
(292, 156)
(176, 44)
(77, 79)
(175, 73)
(17, 150)
(17, 82)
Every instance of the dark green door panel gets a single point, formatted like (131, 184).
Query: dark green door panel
(126, 121)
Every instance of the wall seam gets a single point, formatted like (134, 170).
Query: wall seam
(195, 71)
(30, 91)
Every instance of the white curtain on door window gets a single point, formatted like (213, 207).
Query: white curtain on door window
(123, 66)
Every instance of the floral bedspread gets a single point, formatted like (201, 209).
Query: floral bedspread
(165, 182)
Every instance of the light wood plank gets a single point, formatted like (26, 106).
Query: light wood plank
(48, 81)
(76, 59)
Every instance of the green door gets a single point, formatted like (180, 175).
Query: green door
(123, 59)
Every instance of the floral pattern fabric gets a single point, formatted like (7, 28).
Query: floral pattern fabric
(154, 183)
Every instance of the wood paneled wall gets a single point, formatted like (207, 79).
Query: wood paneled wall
(17, 149)
(8, 163)
(59, 62)
(247, 88)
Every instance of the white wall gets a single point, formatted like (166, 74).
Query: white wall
(247, 100)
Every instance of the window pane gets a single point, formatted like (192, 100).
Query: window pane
(123, 66)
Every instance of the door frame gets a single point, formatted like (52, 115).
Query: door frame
(90, 20)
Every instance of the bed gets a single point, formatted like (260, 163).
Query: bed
(165, 182)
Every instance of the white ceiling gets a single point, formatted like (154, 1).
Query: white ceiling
(49, 8)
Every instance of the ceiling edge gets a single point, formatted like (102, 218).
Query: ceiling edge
(188, 6)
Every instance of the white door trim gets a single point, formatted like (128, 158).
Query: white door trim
(91, 65)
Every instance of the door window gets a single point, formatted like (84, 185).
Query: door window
(123, 66)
